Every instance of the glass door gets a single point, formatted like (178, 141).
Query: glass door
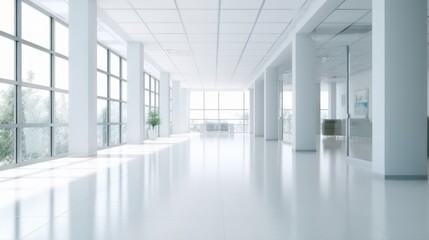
(359, 96)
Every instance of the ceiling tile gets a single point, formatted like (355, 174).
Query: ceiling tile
(160, 16)
(236, 27)
(180, 46)
(199, 15)
(123, 16)
(269, 27)
(241, 4)
(198, 4)
(234, 16)
(198, 38)
(165, 27)
(226, 46)
(114, 4)
(201, 27)
(345, 16)
(153, 4)
(134, 27)
(277, 15)
(143, 37)
(259, 46)
(282, 4)
(270, 38)
(239, 38)
(353, 4)
(166, 38)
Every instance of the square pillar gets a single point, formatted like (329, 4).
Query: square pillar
(83, 78)
(251, 110)
(271, 104)
(305, 117)
(175, 109)
(258, 106)
(184, 110)
(399, 56)
(136, 111)
(164, 104)
(332, 95)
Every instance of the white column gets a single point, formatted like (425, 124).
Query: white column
(332, 105)
(135, 106)
(184, 110)
(258, 105)
(164, 102)
(304, 92)
(83, 80)
(399, 56)
(175, 109)
(271, 104)
(251, 110)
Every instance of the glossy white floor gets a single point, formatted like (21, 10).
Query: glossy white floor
(212, 187)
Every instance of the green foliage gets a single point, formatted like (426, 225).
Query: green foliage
(153, 119)
(7, 142)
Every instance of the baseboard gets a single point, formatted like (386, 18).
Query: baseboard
(406, 177)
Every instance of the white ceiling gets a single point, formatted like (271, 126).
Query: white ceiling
(205, 43)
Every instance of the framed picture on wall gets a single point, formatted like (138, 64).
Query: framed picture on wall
(361, 102)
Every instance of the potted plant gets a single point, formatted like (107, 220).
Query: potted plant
(153, 120)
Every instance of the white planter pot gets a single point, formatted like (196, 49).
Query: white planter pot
(153, 134)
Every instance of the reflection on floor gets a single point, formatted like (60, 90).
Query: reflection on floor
(361, 148)
(210, 187)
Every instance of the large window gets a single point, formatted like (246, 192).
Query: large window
(33, 83)
(151, 95)
(111, 98)
(219, 111)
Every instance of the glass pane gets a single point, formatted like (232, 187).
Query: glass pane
(152, 99)
(124, 69)
(146, 98)
(211, 114)
(196, 100)
(146, 81)
(7, 16)
(114, 64)
(61, 73)
(114, 134)
(7, 146)
(7, 103)
(35, 143)
(246, 100)
(211, 100)
(124, 91)
(101, 58)
(101, 111)
(101, 84)
(61, 39)
(124, 133)
(231, 114)
(61, 135)
(324, 100)
(36, 26)
(61, 108)
(101, 136)
(196, 114)
(124, 112)
(114, 88)
(7, 57)
(36, 66)
(231, 100)
(157, 100)
(35, 105)
(114, 112)
(152, 84)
